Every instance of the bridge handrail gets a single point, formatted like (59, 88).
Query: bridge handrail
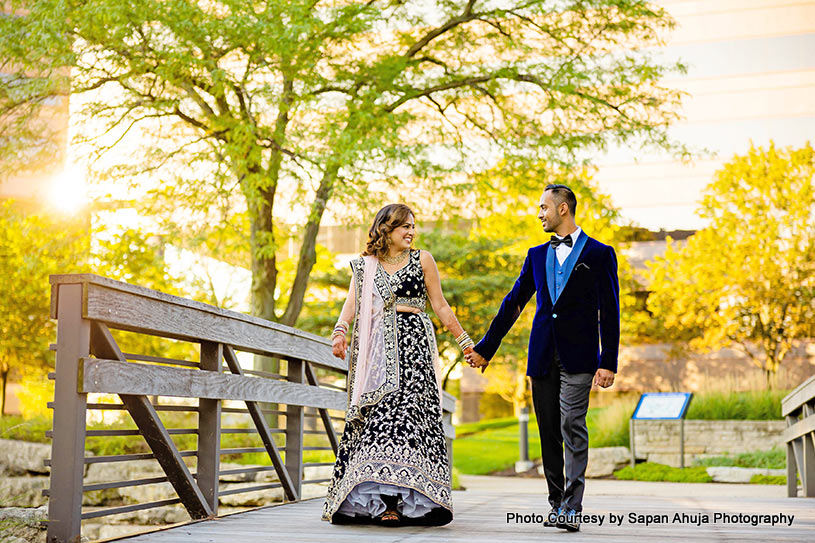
(798, 408)
(88, 360)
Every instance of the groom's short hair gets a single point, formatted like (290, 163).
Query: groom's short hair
(562, 193)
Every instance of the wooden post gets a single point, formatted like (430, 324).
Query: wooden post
(631, 442)
(792, 470)
(448, 441)
(294, 430)
(808, 455)
(209, 430)
(68, 445)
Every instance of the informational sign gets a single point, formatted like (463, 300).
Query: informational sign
(662, 405)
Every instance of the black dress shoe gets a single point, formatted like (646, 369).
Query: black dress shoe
(567, 520)
(551, 517)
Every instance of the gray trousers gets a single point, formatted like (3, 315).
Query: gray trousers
(561, 401)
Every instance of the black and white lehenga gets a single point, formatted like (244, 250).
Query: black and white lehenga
(393, 444)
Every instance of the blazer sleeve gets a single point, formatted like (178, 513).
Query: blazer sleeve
(510, 310)
(609, 312)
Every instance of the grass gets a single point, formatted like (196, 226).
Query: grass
(650, 471)
(495, 447)
(19, 428)
(475, 427)
(768, 479)
(492, 445)
(456, 480)
(771, 459)
(749, 405)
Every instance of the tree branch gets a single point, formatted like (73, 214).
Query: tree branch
(466, 16)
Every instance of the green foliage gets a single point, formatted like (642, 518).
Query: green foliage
(32, 248)
(35, 246)
(493, 450)
(775, 458)
(759, 479)
(747, 280)
(747, 405)
(649, 471)
(493, 405)
(492, 445)
(247, 120)
(468, 428)
(25, 429)
(608, 426)
(456, 480)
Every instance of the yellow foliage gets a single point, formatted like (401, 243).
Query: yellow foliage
(748, 279)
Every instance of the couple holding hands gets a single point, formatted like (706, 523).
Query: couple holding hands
(392, 466)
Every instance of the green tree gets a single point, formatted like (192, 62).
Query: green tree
(36, 245)
(747, 280)
(31, 249)
(33, 98)
(279, 106)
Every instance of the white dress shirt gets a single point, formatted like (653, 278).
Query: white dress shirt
(563, 251)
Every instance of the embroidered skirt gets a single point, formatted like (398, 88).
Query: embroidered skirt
(398, 447)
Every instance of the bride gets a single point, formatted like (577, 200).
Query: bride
(392, 466)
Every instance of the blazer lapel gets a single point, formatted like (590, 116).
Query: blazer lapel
(571, 260)
(550, 272)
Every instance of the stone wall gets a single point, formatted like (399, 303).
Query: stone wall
(658, 440)
(650, 368)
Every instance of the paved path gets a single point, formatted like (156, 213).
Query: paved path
(481, 514)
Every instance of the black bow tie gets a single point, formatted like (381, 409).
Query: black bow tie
(555, 241)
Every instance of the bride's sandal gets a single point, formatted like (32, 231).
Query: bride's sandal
(390, 518)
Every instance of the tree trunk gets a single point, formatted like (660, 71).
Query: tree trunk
(447, 375)
(264, 262)
(3, 392)
(264, 278)
(308, 254)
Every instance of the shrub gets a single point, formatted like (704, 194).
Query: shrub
(649, 471)
(608, 426)
(771, 459)
(768, 479)
(749, 405)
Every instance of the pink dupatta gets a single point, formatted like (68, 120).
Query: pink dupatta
(373, 366)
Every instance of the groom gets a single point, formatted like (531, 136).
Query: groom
(573, 343)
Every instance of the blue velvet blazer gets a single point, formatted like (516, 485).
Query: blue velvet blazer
(584, 318)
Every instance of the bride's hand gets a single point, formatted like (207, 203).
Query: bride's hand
(475, 360)
(339, 346)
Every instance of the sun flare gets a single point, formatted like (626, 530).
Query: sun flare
(68, 192)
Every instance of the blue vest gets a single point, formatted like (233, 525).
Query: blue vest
(557, 274)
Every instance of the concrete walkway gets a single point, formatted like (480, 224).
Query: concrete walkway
(509, 509)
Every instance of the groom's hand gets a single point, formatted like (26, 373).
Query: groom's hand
(475, 360)
(604, 378)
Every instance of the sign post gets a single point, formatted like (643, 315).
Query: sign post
(661, 406)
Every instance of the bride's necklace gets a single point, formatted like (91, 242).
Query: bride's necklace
(395, 260)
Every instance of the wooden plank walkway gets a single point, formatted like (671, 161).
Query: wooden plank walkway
(481, 516)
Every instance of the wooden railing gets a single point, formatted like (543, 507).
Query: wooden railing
(88, 360)
(798, 407)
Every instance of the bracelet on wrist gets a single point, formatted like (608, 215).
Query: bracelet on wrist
(464, 341)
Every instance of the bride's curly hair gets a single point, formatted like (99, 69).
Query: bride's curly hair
(386, 221)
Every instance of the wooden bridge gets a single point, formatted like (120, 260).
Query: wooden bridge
(291, 407)
(310, 383)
